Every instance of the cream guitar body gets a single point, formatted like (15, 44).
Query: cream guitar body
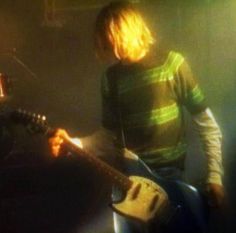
(144, 200)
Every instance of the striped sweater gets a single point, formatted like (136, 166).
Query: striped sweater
(150, 101)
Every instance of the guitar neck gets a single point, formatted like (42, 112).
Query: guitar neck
(114, 175)
(40, 125)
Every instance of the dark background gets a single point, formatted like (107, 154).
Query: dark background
(65, 84)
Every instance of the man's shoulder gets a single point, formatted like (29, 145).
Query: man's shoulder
(162, 56)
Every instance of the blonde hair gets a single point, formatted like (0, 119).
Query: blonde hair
(120, 29)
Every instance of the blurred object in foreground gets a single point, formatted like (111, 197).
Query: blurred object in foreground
(5, 86)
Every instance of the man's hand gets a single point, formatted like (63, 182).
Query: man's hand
(216, 195)
(56, 141)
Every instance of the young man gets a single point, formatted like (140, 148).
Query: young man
(144, 93)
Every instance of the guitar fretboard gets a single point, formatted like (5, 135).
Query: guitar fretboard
(116, 177)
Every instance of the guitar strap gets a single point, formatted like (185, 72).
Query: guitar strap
(112, 77)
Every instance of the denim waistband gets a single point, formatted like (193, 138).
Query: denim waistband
(172, 173)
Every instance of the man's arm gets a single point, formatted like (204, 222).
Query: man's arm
(191, 96)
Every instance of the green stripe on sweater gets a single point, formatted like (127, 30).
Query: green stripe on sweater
(155, 117)
(159, 74)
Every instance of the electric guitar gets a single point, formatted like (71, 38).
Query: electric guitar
(148, 198)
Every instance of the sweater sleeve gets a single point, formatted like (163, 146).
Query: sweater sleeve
(211, 138)
(191, 96)
(188, 90)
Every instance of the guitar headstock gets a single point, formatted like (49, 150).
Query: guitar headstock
(35, 123)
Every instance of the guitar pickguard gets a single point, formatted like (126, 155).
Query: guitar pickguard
(143, 201)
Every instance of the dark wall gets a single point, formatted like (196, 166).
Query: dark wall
(62, 60)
